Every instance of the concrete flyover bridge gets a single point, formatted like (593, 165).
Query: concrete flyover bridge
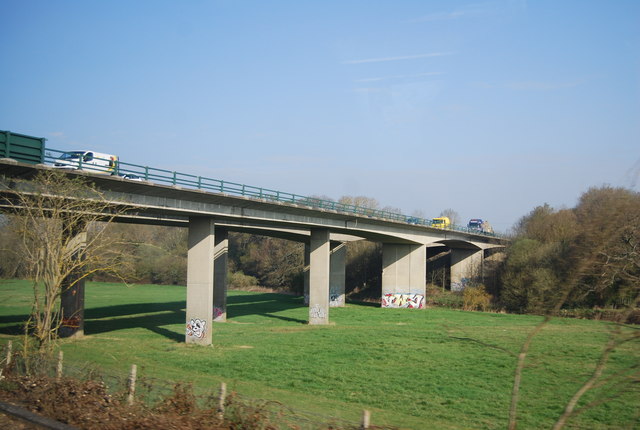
(210, 215)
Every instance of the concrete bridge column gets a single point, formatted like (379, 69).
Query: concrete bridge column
(72, 294)
(319, 276)
(337, 277)
(307, 266)
(404, 272)
(466, 268)
(337, 267)
(200, 262)
(220, 261)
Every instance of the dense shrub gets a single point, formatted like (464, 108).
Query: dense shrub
(239, 281)
(530, 281)
(476, 299)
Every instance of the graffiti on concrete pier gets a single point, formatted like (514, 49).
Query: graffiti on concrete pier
(410, 301)
(196, 328)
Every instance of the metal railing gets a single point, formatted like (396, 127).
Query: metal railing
(135, 172)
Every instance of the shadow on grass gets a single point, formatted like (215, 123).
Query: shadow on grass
(154, 316)
(264, 304)
(151, 322)
(363, 303)
(14, 329)
(283, 318)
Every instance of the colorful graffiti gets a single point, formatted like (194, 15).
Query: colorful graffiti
(73, 322)
(317, 312)
(461, 285)
(410, 301)
(218, 313)
(335, 300)
(336, 297)
(196, 328)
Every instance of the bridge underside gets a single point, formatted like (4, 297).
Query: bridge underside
(209, 218)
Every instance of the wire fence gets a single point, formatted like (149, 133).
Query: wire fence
(139, 387)
(88, 161)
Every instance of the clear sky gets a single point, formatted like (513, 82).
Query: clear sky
(488, 108)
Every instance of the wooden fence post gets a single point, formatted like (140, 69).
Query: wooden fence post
(221, 399)
(59, 368)
(366, 418)
(9, 353)
(132, 384)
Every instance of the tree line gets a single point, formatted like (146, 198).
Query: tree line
(582, 257)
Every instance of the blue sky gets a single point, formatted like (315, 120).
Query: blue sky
(488, 108)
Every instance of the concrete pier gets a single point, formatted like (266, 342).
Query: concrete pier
(319, 274)
(307, 271)
(200, 269)
(466, 268)
(72, 294)
(338, 274)
(220, 263)
(403, 275)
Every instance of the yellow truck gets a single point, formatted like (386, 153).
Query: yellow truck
(441, 222)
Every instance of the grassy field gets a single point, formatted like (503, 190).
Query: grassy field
(435, 368)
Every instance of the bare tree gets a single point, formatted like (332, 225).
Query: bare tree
(360, 201)
(453, 216)
(419, 213)
(59, 223)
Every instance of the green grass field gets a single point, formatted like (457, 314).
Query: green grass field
(434, 368)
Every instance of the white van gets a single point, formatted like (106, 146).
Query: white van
(90, 161)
